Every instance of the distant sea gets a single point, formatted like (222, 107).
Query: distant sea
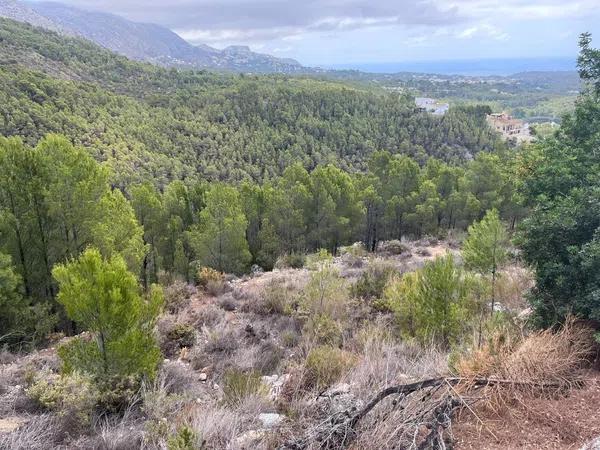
(473, 67)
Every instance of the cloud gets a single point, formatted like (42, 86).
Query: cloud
(484, 30)
(259, 20)
(273, 22)
(524, 10)
(282, 49)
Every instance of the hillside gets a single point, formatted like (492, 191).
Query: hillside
(140, 41)
(243, 370)
(140, 119)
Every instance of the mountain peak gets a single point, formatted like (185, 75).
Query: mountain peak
(238, 49)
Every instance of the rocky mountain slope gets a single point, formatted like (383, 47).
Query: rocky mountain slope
(140, 41)
(12, 9)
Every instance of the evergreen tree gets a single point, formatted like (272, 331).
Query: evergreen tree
(561, 185)
(219, 239)
(12, 303)
(484, 250)
(436, 302)
(104, 298)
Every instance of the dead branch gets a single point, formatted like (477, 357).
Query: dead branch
(337, 432)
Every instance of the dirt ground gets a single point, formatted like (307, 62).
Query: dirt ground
(558, 424)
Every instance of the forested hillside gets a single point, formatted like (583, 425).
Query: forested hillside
(147, 122)
(133, 170)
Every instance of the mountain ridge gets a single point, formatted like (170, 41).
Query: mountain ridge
(143, 41)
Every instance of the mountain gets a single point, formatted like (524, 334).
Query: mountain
(141, 41)
(12, 9)
(240, 57)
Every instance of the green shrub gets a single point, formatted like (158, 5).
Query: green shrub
(436, 303)
(103, 297)
(183, 334)
(208, 275)
(323, 330)
(184, 439)
(21, 323)
(135, 354)
(319, 260)
(117, 393)
(275, 299)
(326, 291)
(73, 396)
(238, 385)
(289, 338)
(293, 260)
(372, 281)
(156, 431)
(325, 365)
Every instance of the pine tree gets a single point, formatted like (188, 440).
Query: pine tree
(219, 239)
(484, 250)
(104, 298)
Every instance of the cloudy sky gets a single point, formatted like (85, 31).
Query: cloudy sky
(326, 32)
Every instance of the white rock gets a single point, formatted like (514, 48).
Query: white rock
(10, 424)
(275, 384)
(203, 377)
(592, 445)
(270, 420)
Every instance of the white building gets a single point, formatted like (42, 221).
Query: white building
(432, 106)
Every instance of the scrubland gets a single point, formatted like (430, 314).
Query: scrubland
(292, 357)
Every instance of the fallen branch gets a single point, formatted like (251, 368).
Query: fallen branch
(433, 382)
(340, 431)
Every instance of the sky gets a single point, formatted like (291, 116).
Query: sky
(352, 32)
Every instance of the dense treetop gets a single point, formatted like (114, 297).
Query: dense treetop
(147, 122)
(561, 183)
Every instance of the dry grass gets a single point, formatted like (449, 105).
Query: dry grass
(206, 315)
(178, 378)
(512, 285)
(272, 323)
(6, 357)
(220, 425)
(385, 361)
(122, 432)
(543, 363)
(178, 295)
(40, 433)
